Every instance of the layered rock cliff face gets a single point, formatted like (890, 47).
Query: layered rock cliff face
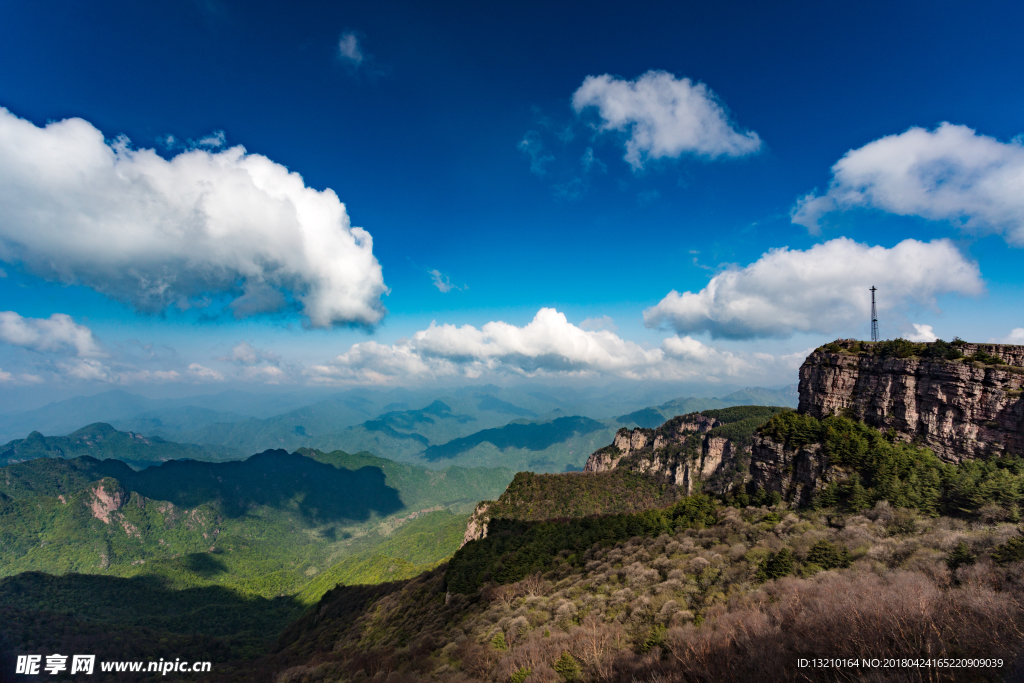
(794, 473)
(680, 451)
(958, 408)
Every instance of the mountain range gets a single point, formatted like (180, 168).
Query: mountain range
(469, 428)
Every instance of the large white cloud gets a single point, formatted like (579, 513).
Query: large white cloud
(156, 233)
(950, 173)
(823, 289)
(665, 116)
(57, 333)
(547, 346)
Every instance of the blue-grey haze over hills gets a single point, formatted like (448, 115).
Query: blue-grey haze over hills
(530, 428)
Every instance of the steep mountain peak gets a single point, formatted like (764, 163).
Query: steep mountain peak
(97, 430)
(437, 408)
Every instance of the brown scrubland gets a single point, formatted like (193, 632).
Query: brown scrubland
(697, 606)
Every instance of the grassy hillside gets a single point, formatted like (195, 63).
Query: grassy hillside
(416, 547)
(102, 441)
(420, 487)
(533, 497)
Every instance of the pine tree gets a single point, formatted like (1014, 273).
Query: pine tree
(828, 556)
(960, 556)
(858, 497)
(776, 565)
(567, 667)
(1011, 551)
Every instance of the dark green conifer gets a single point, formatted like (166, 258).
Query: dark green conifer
(959, 557)
(568, 668)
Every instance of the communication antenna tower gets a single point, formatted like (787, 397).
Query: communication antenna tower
(874, 316)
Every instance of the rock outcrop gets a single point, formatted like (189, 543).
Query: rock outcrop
(477, 526)
(106, 497)
(679, 451)
(795, 474)
(958, 408)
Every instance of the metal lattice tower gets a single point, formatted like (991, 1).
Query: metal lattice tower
(874, 316)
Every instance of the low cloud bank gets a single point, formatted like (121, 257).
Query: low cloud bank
(547, 346)
(820, 290)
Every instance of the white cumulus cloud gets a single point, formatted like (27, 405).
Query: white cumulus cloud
(257, 365)
(57, 333)
(948, 174)
(157, 233)
(922, 333)
(664, 116)
(823, 289)
(549, 345)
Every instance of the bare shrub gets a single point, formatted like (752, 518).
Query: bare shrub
(640, 576)
(565, 614)
(901, 614)
(696, 565)
(621, 597)
(516, 629)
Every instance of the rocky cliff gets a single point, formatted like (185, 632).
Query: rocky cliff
(960, 408)
(477, 526)
(680, 451)
(794, 473)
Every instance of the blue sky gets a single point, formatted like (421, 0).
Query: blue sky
(583, 160)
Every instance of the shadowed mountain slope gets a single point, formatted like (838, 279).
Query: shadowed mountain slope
(531, 436)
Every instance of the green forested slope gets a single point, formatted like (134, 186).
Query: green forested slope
(265, 524)
(99, 555)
